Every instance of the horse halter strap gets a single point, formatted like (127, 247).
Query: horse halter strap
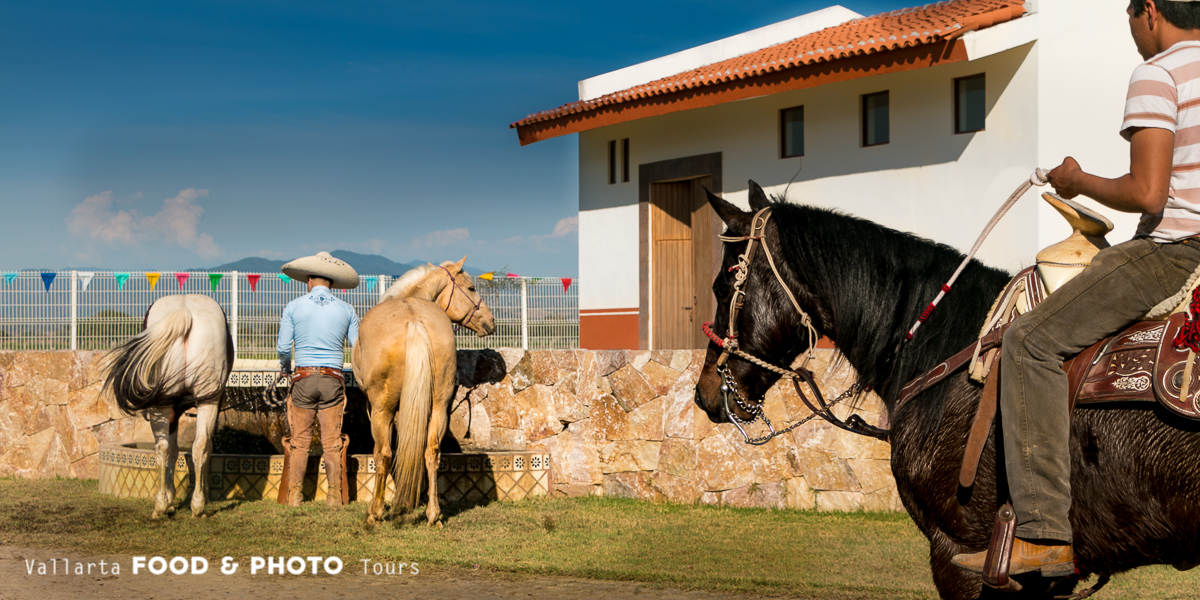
(729, 345)
(475, 305)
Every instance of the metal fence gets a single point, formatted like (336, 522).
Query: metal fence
(78, 310)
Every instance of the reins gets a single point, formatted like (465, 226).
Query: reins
(729, 344)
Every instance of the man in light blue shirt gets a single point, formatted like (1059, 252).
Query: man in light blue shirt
(317, 325)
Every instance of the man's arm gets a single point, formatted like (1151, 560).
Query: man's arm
(1143, 190)
(284, 345)
(352, 333)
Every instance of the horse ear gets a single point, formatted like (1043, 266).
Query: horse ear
(459, 265)
(758, 198)
(725, 209)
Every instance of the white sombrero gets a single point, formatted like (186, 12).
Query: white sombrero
(343, 276)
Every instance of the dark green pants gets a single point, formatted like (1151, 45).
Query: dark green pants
(1122, 284)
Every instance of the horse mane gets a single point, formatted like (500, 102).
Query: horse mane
(410, 283)
(872, 283)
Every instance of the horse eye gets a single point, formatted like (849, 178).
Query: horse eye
(721, 287)
(472, 288)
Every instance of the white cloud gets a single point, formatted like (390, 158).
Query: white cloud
(177, 222)
(565, 226)
(94, 216)
(439, 239)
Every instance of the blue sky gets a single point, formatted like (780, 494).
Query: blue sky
(164, 135)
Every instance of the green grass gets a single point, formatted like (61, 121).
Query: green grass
(815, 555)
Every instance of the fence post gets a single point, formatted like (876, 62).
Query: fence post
(233, 310)
(382, 287)
(74, 310)
(524, 314)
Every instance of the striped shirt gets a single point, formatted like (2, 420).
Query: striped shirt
(1164, 92)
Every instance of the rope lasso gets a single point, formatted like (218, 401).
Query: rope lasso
(1037, 178)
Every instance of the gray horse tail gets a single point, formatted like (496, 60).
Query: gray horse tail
(137, 373)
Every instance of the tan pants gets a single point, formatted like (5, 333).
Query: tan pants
(326, 393)
(1122, 283)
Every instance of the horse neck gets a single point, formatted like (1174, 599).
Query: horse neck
(872, 283)
(431, 288)
(428, 287)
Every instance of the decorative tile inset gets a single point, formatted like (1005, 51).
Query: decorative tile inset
(471, 478)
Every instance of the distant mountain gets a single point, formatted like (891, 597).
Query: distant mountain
(365, 264)
(253, 264)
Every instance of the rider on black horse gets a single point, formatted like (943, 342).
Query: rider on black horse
(1162, 125)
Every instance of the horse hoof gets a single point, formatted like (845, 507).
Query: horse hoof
(438, 524)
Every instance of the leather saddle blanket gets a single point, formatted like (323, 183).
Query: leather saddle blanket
(1139, 364)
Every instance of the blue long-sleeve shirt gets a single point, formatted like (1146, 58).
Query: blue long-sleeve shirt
(318, 322)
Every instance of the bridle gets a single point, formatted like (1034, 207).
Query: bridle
(729, 346)
(474, 305)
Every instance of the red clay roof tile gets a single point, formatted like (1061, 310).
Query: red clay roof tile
(894, 30)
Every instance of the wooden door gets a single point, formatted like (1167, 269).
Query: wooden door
(681, 263)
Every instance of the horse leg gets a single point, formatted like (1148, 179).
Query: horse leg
(206, 424)
(165, 425)
(433, 456)
(953, 583)
(381, 431)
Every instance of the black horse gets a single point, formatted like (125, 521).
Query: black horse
(1135, 481)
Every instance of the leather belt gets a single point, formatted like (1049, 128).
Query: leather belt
(302, 372)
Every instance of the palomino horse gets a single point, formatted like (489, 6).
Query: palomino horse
(1134, 485)
(405, 361)
(181, 359)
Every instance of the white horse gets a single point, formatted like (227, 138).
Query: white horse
(181, 359)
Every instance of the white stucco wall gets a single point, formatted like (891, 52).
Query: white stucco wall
(1085, 57)
(1060, 95)
(608, 257)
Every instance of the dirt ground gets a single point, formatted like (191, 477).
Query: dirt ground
(431, 582)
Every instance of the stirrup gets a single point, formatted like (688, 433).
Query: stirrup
(999, 552)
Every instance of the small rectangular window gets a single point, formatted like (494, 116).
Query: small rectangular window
(791, 132)
(612, 161)
(970, 105)
(875, 119)
(625, 160)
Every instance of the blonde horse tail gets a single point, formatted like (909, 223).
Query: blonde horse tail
(412, 417)
(136, 372)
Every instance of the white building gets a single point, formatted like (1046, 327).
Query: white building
(923, 119)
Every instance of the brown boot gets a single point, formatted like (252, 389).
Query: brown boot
(298, 465)
(333, 476)
(300, 422)
(332, 451)
(1054, 560)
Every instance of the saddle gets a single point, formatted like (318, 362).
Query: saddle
(1138, 364)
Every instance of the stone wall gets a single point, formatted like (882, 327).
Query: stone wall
(617, 423)
(52, 417)
(624, 423)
